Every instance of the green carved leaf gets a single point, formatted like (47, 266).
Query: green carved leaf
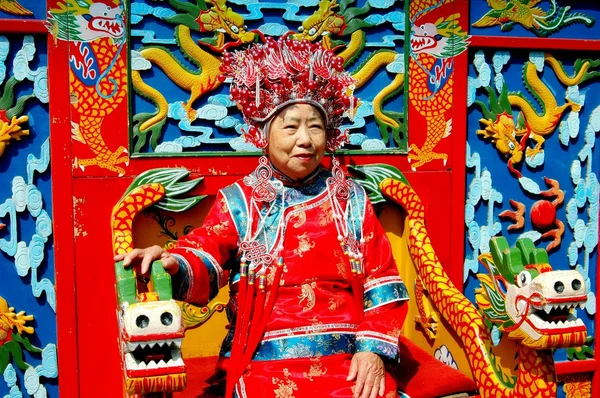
(370, 176)
(179, 205)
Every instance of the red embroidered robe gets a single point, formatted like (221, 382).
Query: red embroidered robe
(316, 324)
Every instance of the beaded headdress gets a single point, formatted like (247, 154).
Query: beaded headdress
(268, 77)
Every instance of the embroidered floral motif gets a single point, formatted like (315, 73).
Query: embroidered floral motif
(286, 387)
(316, 369)
(224, 209)
(299, 216)
(335, 302)
(308, 294)
(326, 214)
(304, 244)
(396, 328)
(316, 324)
(219, 228)
(342, 267)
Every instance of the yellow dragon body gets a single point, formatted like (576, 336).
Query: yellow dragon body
(499, 126)
(323, 23)
(532, 293)
(219, 19)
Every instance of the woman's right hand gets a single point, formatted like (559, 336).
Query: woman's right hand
(147, 256)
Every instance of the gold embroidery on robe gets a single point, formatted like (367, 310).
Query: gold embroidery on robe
(286, 387)
(326, 215)
(308, 294)
(316, 369)
(219, 228)
(224, 207)
(396, 328)
(304, 244)
(299, 216)
(335, 302)
(342, 267)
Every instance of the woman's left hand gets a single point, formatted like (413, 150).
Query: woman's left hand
(368, 370)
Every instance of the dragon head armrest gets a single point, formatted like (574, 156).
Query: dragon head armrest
(151, 331)
(151, 323)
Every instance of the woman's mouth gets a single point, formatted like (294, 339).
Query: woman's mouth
(304, 156)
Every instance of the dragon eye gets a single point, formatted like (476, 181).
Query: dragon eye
(234, 29)
(312, 31)
(166, 318)
(511, 145)
(142, 321)
(523, 279)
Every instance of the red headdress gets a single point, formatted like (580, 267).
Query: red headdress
(268, 77)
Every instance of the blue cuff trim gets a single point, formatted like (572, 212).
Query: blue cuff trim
(382, 348)
(181, 280)
(214, 272)
(385, 294)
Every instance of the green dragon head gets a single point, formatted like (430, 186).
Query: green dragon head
(151, 332)
(87, 20)
(529, 301)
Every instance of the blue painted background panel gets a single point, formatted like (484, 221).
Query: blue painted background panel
(26, 243)
(570, 156)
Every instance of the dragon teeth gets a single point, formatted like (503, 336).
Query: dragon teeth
(132, 346)
(548, 308)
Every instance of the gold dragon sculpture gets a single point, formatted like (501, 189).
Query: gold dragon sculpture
(499, 126)
(218, 19)
(326, 22)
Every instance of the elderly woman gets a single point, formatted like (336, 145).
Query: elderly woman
(316, 297)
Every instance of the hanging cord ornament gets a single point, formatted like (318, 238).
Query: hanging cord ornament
(348, 235)
(253, 314)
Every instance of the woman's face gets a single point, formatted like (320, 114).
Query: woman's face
(297, 140)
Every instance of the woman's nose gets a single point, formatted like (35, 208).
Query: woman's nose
(303, 136)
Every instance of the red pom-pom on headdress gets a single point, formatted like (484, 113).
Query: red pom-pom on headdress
(268, 77)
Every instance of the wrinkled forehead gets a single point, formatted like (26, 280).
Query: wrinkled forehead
(289, 112)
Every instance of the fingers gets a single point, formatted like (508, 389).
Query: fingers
(146, 256)
(170, 263)
(375, 388)
(369, 371)
(367, 387)
(382, 386)
(129, 257)
(353, 369)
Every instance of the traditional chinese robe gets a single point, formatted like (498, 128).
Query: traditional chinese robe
(317, 323)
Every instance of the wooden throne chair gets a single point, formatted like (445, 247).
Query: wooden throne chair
(437, 309)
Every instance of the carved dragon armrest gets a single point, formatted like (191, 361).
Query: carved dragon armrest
(151, 323)
(529, 303)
